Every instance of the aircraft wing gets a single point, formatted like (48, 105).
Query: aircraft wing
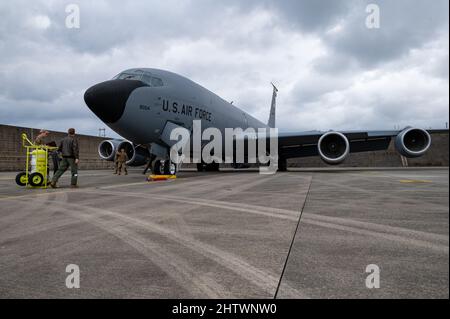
(303, 144)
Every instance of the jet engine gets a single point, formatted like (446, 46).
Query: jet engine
(107, 149)
(412, 142)
(137, 154)
(333, 147)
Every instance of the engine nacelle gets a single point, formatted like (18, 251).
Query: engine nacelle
(333, 147)
(413, 142)
(137, 155)
(107, 149)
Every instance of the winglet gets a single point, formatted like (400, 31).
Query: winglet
(271, 122)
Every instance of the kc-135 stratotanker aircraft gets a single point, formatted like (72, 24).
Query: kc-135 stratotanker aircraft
(145, 105)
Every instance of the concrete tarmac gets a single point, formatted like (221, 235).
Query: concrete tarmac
(231, 234)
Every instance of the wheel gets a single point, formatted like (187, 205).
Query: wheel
(158, 168)
(200, 167)
(170, 168)
(21, 179)
(282, 165)
(36, 179)
(213, 167)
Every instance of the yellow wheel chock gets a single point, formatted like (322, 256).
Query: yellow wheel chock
(157, 178)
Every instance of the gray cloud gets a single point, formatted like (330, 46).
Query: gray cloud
(313, 15)
(404, 25)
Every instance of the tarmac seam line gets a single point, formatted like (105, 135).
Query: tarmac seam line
(293, 238)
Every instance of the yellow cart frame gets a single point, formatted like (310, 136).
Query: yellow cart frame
(30, 147)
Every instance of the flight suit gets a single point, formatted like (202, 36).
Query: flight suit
(121, 159)
(70, 152)
(116, 165)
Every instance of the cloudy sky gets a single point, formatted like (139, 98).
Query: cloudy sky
(332, 71)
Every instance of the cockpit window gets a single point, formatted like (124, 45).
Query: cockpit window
(144, 77)
(157, 82)
(128, 76)
(151, 80)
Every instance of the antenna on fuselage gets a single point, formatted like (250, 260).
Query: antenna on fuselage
(271, 122)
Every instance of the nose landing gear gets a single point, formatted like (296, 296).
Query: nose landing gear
(164, 167)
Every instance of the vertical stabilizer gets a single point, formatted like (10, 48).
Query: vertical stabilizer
(271, 122)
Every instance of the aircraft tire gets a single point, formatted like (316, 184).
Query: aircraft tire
(213, 167)
(170, 168)
(157, 169)
(282, 165)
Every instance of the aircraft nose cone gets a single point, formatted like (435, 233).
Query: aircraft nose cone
(108, 99)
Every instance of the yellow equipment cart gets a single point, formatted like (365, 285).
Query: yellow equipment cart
(36, 170)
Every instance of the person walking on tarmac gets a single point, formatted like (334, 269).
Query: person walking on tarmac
(116, 164)
(70, 157)
(121, 158)
(149, 164)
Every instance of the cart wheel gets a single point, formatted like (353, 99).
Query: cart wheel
(21, 179)
(36, 179)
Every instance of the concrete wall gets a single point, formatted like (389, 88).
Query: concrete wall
(12, 154)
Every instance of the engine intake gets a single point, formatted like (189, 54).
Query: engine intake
(107, 149)
(413, 142)
(333, 147)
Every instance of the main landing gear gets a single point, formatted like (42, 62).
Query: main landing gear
(282, 165)
(203, 167)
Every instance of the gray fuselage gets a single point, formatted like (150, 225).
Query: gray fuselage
(178, 100)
